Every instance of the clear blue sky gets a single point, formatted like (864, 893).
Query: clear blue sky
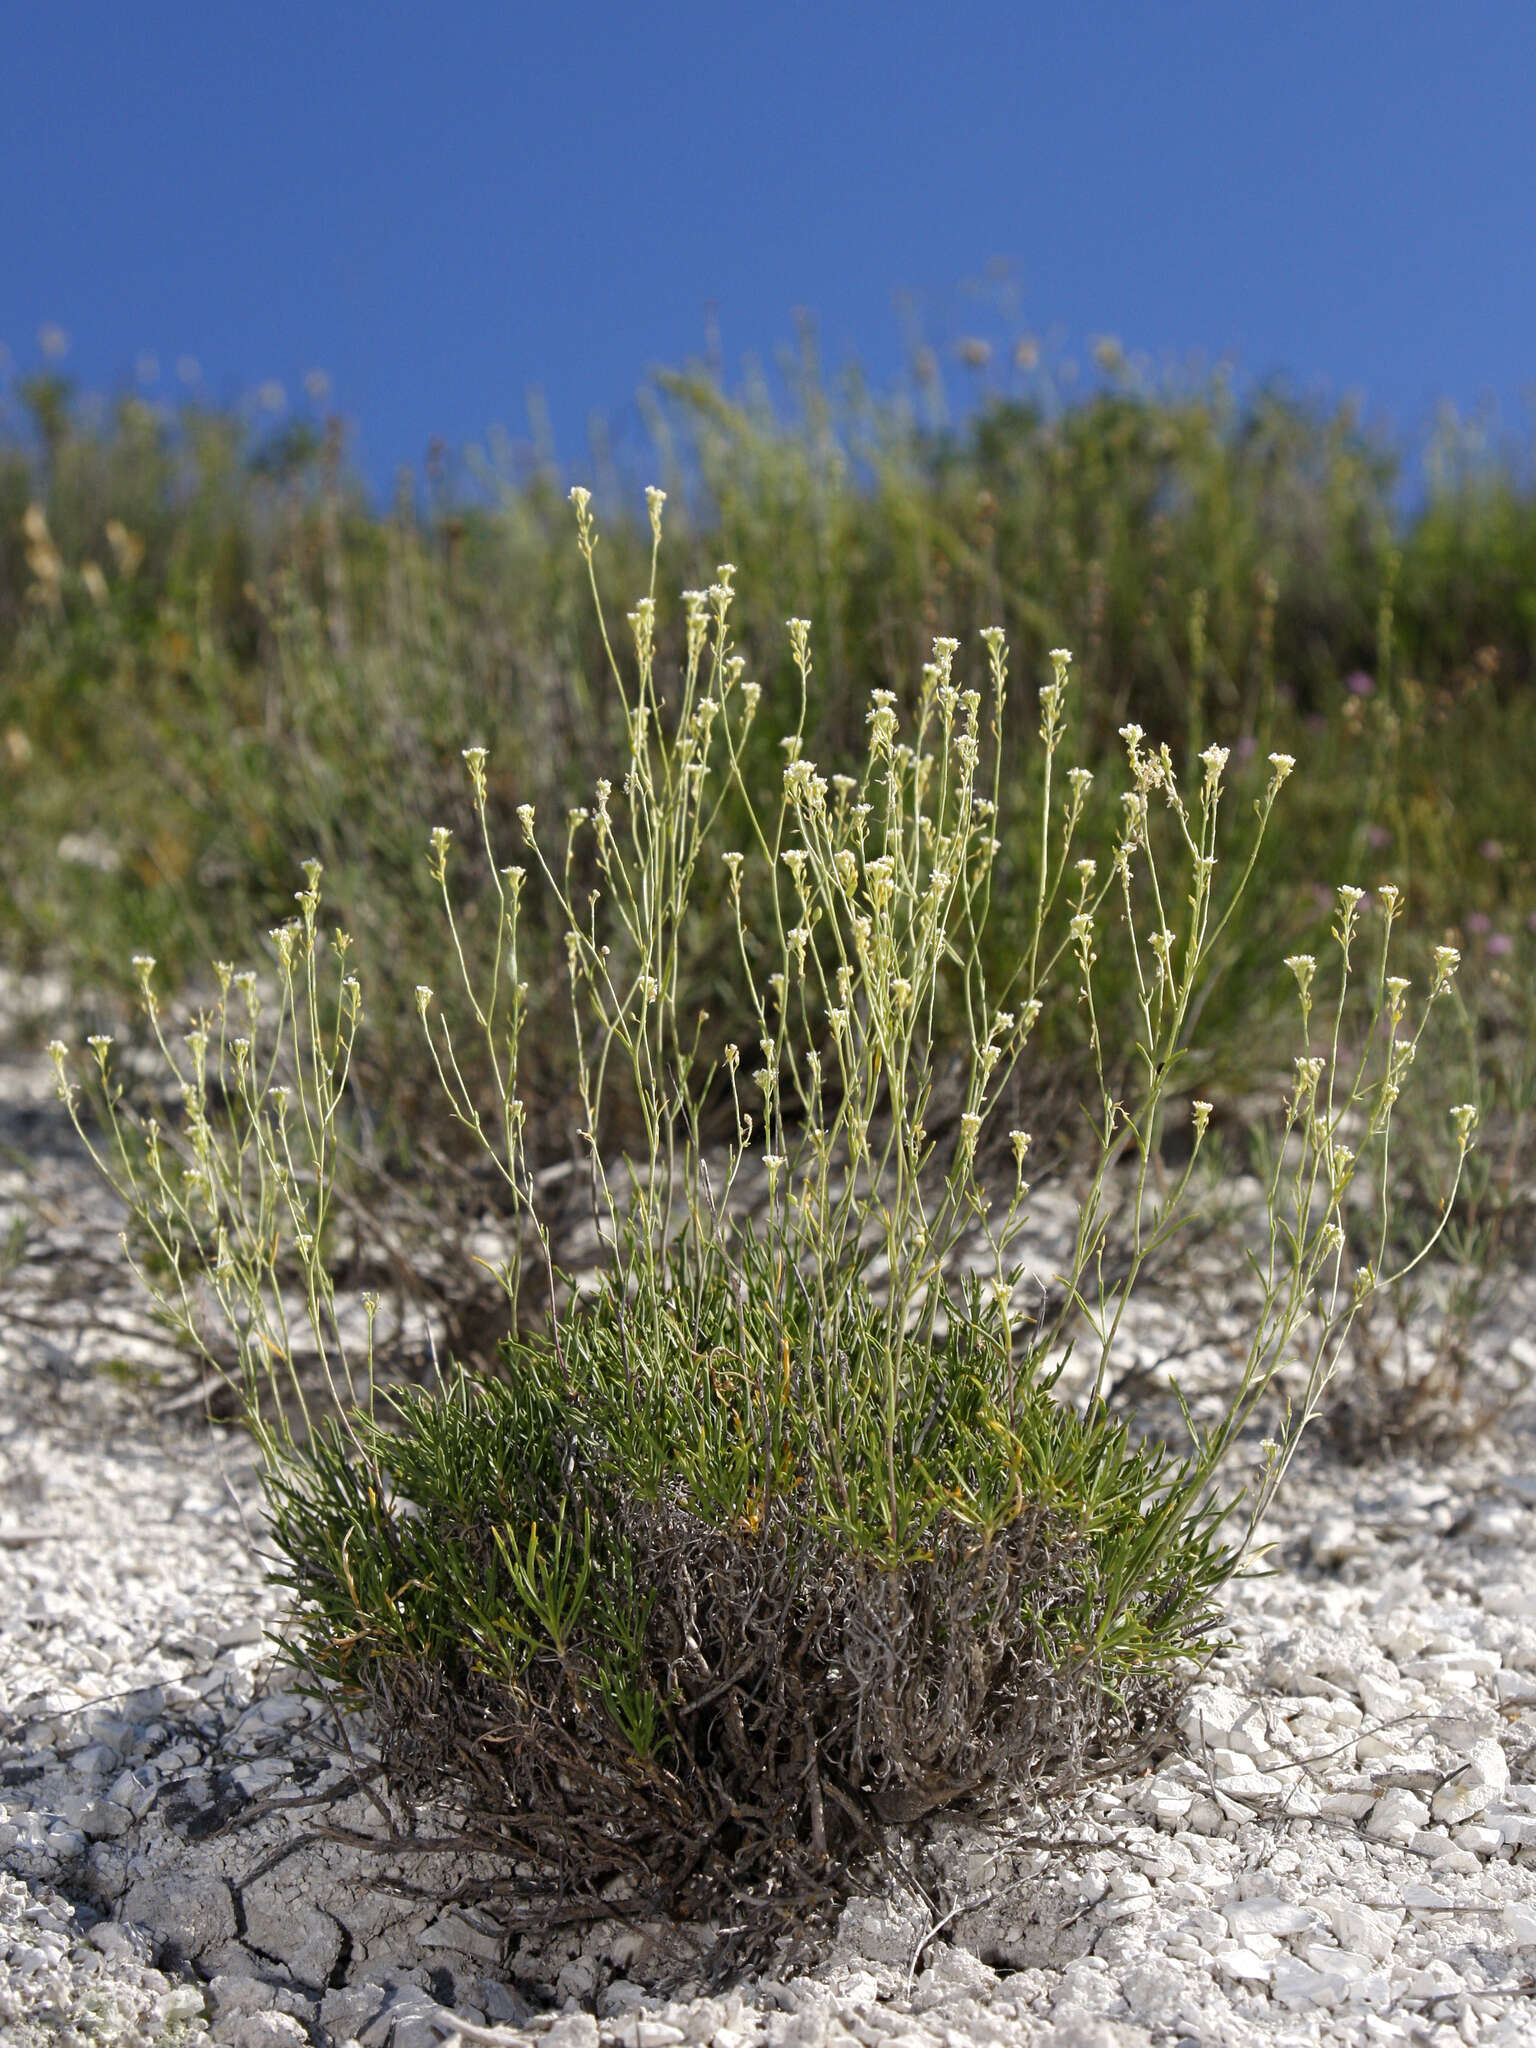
(445, 206)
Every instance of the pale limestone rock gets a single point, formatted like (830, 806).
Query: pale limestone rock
(1267, 1915)
(1397, 1816)
(572, 2030)
(1299, 1988)
(1236, 1959)
(1478, 1837)
(1218, 1717)
(1516, 1601)
(1363, 1929)
(1483, 1779)
(1381, 1699)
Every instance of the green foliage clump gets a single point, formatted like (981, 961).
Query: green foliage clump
(638, 1600)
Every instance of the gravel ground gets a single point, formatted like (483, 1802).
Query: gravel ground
(1344, 1851)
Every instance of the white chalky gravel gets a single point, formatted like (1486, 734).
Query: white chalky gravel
(1344, 1851)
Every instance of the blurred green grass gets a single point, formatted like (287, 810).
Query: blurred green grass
(218, 659)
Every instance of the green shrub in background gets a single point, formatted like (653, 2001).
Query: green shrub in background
(216, 660)
(780, 1527)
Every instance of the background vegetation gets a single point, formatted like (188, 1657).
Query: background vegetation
(218, 659)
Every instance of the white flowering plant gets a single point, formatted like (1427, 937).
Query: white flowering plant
(782, 1526)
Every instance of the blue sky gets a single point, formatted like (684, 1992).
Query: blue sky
(444, 208)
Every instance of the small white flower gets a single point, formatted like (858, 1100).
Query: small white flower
(1304, 967)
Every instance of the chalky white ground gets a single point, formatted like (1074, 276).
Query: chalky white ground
(1345, 1851)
